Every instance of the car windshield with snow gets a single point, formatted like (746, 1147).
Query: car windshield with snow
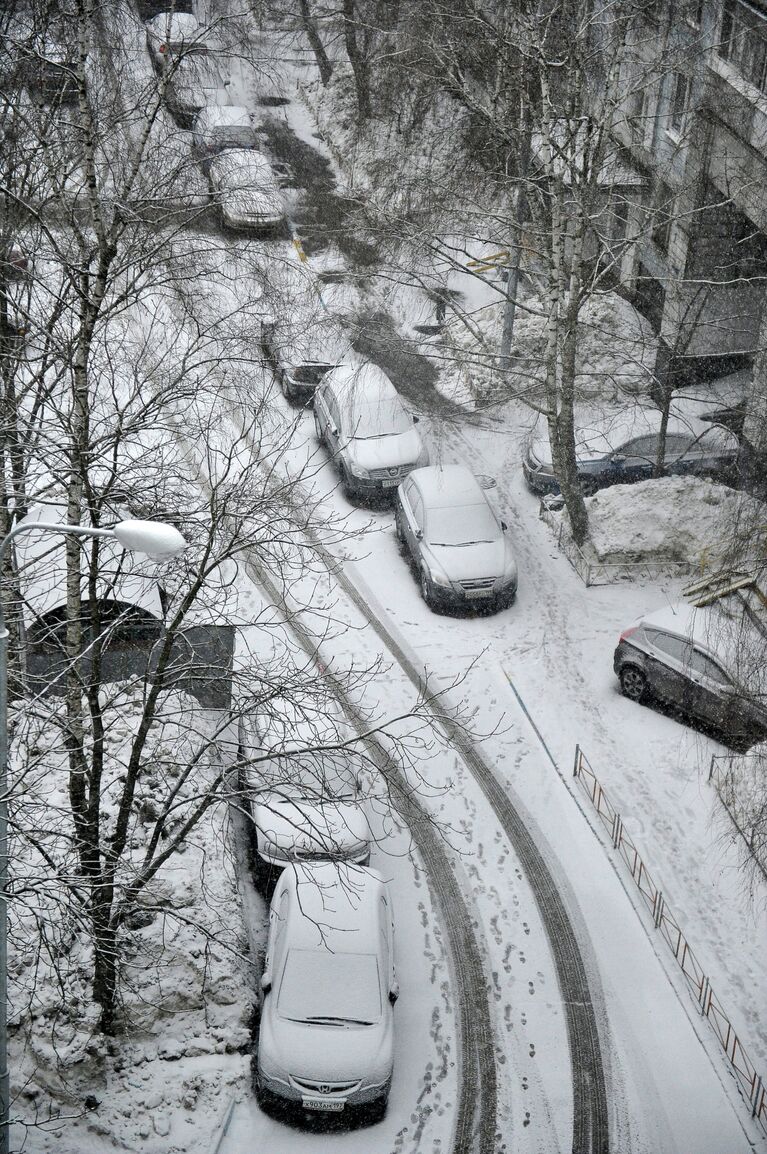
(458, 546)
(360, 417)
(326, 1036)
(221, 126)
(622, 447)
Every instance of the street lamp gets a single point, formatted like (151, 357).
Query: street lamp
(158, 541)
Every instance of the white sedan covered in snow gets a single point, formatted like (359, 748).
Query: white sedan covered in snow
(459, 547)
(246, 190)
(174, 34)
(306, 798)
(326, 1039)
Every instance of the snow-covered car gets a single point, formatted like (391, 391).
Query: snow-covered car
(246, 190)
(220, 126)
(171, 35)
(194, 83)
(301, 356)
(458, 546)
(360, 417)
(326, 1037)
(706, 660)
(621, 447)
(307, 801)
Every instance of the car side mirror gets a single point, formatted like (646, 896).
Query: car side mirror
(504, 526)
(419, 534)
(393, 992)
(416, 420)
(266, 981)
(334, 430)
(617, 458)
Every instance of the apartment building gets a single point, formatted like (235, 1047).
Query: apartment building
(695, 122)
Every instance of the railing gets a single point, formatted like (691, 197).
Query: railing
(594, 572)
(749, 1081)
(750, 828)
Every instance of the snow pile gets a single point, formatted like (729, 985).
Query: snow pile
(187, 991)
(672, 519)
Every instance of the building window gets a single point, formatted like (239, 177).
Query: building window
(680, 99)
(743, 41)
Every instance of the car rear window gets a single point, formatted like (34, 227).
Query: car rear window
(318, 984)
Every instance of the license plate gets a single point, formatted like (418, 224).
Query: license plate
(478, 592)
(391, 484)
(333, 1105)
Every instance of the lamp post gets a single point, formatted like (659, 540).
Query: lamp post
(158, 541)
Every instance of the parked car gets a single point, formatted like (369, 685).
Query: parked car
(458, 546)
(360, 417)
(246, 190)
(326, 1037)
(171, 35)
(621, 447)
(194, 83)
(307, 802)
(301, 355)
(220, 126)
(697, 659)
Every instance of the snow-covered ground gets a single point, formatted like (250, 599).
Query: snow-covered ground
(669, 1087)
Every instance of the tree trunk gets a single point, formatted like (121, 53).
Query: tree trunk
(358, 62)
(313, 36)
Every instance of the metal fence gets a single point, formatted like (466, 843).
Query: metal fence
(750, 1083)
(595, 572)
(751, 829)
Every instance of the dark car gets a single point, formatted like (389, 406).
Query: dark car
(698, 661)
(302, 358)
(622, 448)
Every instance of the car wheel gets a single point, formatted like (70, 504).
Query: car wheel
(399, 532)
(633, 683)
(346, 484)
(426, 589)
(589, 486)
(318, 427)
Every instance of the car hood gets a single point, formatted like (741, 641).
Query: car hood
(385, 452)
(305, 829)
(466, 562)
(322, 1053)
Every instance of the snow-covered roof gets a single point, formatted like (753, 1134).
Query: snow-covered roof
(337, 905)
(448, 486)
(223, 116)
(366, 379)
(175, 27)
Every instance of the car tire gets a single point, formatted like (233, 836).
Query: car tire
(426, 592)
(399, 532)
(346, 485)
(317, 427)
(633, 683)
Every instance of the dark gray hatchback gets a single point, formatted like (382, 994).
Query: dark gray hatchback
(669, 656)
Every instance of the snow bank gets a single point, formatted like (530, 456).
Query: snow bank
(670, 519)
(187, 988)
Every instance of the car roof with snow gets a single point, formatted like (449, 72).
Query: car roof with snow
(599, 433)
(242, 162)
(337, 907)
(223, 116)
(361, 383)
(724, 628)
(448, 486)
